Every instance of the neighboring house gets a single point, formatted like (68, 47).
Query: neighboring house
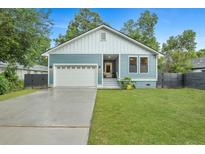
(198, 64)
(21, 70)
(99, 58)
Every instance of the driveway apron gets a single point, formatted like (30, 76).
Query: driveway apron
(52, 116)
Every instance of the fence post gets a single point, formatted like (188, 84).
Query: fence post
(183, 80)
(162, 80)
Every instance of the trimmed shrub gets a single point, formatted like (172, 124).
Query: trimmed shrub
(127, 83)
(4, 85)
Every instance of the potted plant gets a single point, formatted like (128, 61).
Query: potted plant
(113, 74)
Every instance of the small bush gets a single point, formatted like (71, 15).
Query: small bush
(11, 75)
(127, 83)
(19, 84)
(4, 85)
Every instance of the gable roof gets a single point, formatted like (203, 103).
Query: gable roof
(198, 63)
(109, 29)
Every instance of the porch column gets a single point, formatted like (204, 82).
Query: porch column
(102, 67)
(119, 63)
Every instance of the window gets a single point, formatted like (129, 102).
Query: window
(103, 37)
(143, 64)
(133, 64)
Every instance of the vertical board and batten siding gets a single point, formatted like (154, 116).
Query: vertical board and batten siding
(91, 44)
(75, 59)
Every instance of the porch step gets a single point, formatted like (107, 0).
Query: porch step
(110, 83)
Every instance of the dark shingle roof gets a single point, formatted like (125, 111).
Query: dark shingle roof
(198, 62)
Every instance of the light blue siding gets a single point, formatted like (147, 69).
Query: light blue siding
(145, 84)
(124, 70)
(74, 59)
(125, 67)
(97, 59)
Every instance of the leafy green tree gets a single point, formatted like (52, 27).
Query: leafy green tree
(179, 51)
(181, 62)
(201, 53)
(82, 22)
(24, 35)
(143, 29)
(184, 42)
(176, 62)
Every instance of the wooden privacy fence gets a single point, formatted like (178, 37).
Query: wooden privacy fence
(36, 81)
(179, 80)
(195, 80)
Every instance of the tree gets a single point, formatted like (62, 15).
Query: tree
(24, 35)
(201, 53)
(176, 62)
(143, 29)
(181, 62)
(83, 22)
(184, 42)
(179, 51)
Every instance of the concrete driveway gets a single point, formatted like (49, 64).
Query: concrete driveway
(53, 116)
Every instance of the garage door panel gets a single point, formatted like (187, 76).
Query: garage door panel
(76, 76)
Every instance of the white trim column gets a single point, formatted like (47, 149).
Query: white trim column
(119, 67)
(157, 67)
(102, 67)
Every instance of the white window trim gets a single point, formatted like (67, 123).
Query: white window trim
(102, 67)
(129, 64)
(119, 63)
(147, 64)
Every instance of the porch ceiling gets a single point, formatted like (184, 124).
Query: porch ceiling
(110, 56)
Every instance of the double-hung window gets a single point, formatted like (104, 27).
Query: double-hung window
(132, 64)
(143, 64)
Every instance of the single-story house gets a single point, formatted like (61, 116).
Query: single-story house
(100, 57)
(198, 64)
(21, 70)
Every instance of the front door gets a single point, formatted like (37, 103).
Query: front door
(108, 70)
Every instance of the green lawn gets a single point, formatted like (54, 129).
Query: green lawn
(16, 93)
(149, 116)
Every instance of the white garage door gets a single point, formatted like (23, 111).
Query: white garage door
(75, 75)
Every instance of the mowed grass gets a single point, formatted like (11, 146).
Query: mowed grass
(16, 94)
(149, 116)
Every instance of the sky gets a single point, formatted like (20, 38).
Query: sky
(171, 22)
